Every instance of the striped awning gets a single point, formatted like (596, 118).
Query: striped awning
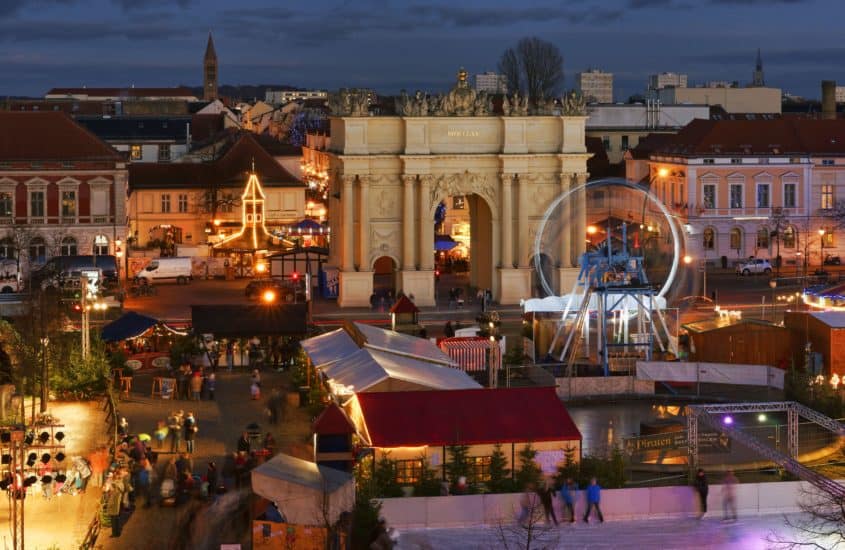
(472, 353)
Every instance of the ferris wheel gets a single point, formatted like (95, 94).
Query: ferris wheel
(613, 310)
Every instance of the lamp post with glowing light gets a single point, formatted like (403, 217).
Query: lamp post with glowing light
(821, 248)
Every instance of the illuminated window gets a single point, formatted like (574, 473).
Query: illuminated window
(788, 239)
(709, 238)
(165, 204)
(827, 197)
(68, 204)
(101, 245)
(478, 468)
(7, 248)
(828, 237)
(458, 203)
(408, 471)
(736, 238)
(183, 203)
(135, 152)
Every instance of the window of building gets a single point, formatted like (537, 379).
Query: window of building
(763, 195)
(788, 239)
(795, 160)
(135, 152)
(790, 194)
(827, 162)
(99, 202)
(101, 245)
(6, 205)
(736, 161)
(827, 197)
(605, 141)
(408, 471)
(736, 238)
(478, 468)
(709, 161)
(183, 203)
(458, 202)
(68, 204)
(709, 195)
(625, 145)
(36, 204)
(763, 237)
(736, 195)
(68, 247)
(164, 152)
(37, 250)
(709, 238)
(828, 237)
(165, 203)
(7, 248)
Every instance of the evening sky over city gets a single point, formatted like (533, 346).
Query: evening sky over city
(389, 45)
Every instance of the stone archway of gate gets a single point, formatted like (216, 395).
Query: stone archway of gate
(482, 191)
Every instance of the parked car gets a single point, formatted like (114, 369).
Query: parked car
(178, 269)
(830, 259)
(754, 266)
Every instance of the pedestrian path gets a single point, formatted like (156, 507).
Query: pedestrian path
(748, 533)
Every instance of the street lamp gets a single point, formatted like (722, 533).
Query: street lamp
(45, 380)
(773, 284)
(821, 248)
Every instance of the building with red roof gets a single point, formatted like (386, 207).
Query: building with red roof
(408, 425)
(741, 185)
(62, 189)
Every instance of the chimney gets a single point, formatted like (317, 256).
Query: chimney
(828, 99)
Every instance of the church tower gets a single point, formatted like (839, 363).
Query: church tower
(757, 81)
(209, 72)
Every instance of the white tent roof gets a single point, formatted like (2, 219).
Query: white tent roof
(298, 488)
(403, 344)
(329, 347)
(367, 367)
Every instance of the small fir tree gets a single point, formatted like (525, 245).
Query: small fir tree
(428, 484)
(529, 473)
(457, 466)
(500, 474)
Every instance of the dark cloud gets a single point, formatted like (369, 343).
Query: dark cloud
(815, 56)
(82, 31)
(490, 17)
(139, 5)
(637, 4)
(12, 7)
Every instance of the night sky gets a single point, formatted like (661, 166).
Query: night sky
(389, 45)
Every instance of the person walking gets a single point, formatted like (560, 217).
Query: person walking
(191, 429)
(568, 493)
(593, 500)
(273, 405)
(230, 355)
(174, 427)
(702, 488)
(211, 385)
(196, 386)
(116, 489)
(143, 481)
(729, 496)
(546, 493)
(243, 443)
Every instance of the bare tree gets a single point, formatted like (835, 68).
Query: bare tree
(534, 67)
(821, 525)
(780, 222)
(530, 530)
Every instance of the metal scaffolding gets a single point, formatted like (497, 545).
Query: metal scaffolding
(789, 462)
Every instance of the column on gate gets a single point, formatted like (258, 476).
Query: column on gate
(507, 221)
(348, 237)
(408, 181)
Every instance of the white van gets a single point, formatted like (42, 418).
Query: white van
(166, 268)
